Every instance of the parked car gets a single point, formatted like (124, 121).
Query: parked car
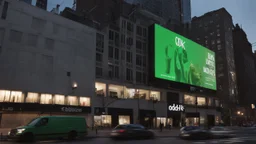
(50, 127)
(221, 132)
(131, 131)
(194, 132)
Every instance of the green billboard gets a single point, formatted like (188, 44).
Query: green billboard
(181, 60)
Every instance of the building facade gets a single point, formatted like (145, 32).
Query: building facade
(123, 91)
(27, 1)
(214, 31)
(47, 65)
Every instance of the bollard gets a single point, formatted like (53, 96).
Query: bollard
(1, 137)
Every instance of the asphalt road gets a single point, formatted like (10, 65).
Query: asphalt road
(174, 140)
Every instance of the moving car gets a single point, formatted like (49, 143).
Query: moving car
(50, 127)
(131, 131)
(221, 132)
(194, 132)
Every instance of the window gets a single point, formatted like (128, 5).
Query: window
(139, 77)
(15, 36)
(110, 52)
(99, 42)
(98, 71)
(5, 95)
(138, 44)
(129, 26)
(116, 72)
(217, 103)
(129, 57)
(144, 32)
(59, 99)
(155, 95)
(144, 61)
(116, 53)
(11, 96)
(38, 24)
(219, 47)
(72, 100)
(116, 39)
(139, 30)
(32, 40)
(138, 60)
(210, 101)
(111, 35)
(32, 98)
(129, 75)
(129, 41)
(98, 57)
(49, 44)
(110, 71)
(213, 42)
(5, 10)
(123, 119)
(122, 38)
(2, 32)
(201, 101)
(144, 47)
(123, 24)
(218, 41)
(46, 99)
(106, 120)
(100, 89)
(189, 100)
(85, 101)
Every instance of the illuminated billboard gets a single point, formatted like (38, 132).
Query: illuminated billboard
(179, 59)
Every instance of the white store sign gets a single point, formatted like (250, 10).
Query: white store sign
(176, 107)
(70, 109)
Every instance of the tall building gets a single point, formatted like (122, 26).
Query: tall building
(245, 69)
(42, 4)
(27, 1)
(214, 31)
(175, 11)
(124, 93)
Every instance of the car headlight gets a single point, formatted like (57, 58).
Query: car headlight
(9, 133)
(19, 131)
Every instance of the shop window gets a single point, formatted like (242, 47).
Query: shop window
(154, 95)
(202, 120)
(201, 101)
(85, 101)
(160, 120)
(123, 119)
(72, 100)
(59, 99)
(5, 95)
(217, 103)
(46, 99)
(103, 120)
(170, 122)
(16, 97)
(192, 121)
(189, 100)
(32, 98)
(210, 101)
(100, 89)
(116, 91)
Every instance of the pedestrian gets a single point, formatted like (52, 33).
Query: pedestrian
(161, 127)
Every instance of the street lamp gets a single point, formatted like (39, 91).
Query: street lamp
(238, 112)
(74, 86)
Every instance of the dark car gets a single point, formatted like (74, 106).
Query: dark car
(194, 132)
(221, 132)
(131, 131)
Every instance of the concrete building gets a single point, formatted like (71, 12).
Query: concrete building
(27, 1)
(214, 31)
(245, 69)
(124, 94)
(46, 65)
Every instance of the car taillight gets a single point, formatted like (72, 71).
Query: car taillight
(121, 131)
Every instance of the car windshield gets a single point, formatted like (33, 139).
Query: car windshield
(33, 122)
(120, 127)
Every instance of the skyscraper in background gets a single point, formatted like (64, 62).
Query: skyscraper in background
(174, 11)
(27, 1)
(42, 4)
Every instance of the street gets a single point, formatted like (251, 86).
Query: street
(241, 140)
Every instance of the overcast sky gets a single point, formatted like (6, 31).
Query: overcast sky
(242, 11)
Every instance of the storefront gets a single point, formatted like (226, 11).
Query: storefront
(174, 114)
(117, 116)
(147, 118)
(16, 114)
(192, 119)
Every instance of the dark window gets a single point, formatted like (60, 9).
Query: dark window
(123, 39)
(128, 74)
(138, 44)
(144, 32)
(98, 71)
(138, 60)
(123, 24)
(129, 57)
(110, 52)
(42, 122)
(111, 35)
(138, 77)
(4, 11)
(110, 71)
(116, 53)
(100, 42)
(98, 57)
(144, 47)
(116, 39)
(139, 30)
(144, 78)
(129, 26)
(129, 41)
(144, 61)
(116, 72)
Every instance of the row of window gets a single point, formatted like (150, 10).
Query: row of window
(200, 101)
(130, 27)
(31, 97)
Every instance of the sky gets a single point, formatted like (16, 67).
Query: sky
(242, 11)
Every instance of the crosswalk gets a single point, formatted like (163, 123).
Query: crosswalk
(236, 140)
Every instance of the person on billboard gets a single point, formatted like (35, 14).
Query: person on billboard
(194, 76)
(168, 48)
(181, 63)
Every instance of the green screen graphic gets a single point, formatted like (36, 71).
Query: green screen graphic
(182, 60)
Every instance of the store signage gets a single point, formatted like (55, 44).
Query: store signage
(176, 107)
(71, 109)
(8, 109)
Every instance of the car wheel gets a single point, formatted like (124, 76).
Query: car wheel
(72, 135)
(28, 137)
